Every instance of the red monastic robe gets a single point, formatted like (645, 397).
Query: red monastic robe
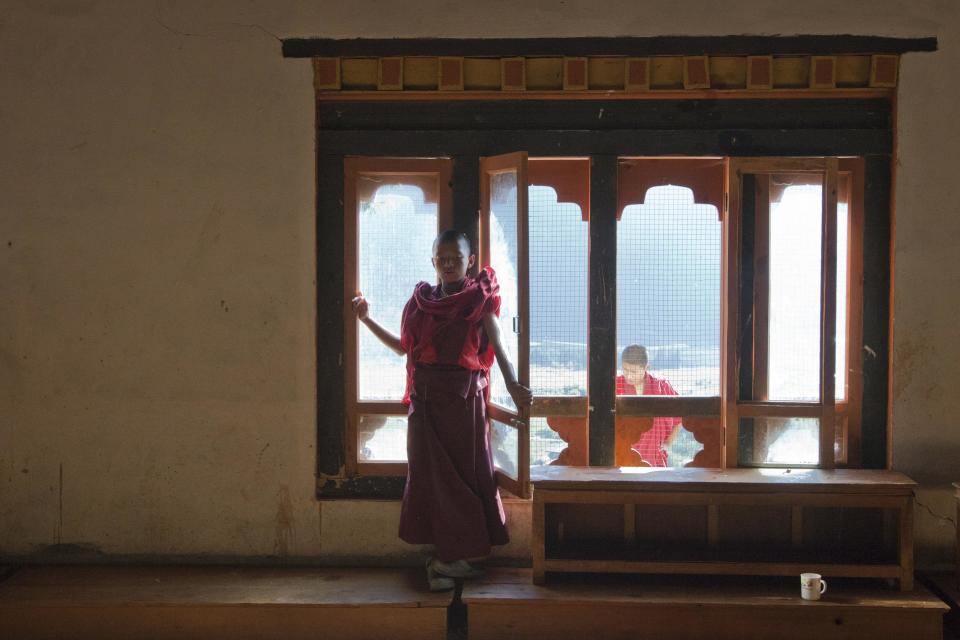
(450, 499)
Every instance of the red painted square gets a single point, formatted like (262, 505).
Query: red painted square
(760, 72)
(513, 71)
(697, 72)
(390, 71)
(637, 73)
(577, 73)
(823, 72)
(886, 70)
(451, 73)
(327, 71)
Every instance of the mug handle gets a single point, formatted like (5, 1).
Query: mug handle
(823, 586)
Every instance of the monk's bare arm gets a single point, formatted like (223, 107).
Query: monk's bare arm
(362, 309)
(520, 394)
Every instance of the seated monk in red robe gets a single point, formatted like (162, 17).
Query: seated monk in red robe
(450, 335)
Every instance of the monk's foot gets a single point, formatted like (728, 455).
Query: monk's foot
(435, 581)
(456, 569)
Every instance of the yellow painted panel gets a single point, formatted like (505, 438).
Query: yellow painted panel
(853, 71)
(606, 72)
(791, 72)
(481, 73)
(666, 72)
(545, 73)
(420, 73)
(359, 73)
(728, 72)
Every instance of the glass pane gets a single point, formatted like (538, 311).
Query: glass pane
(559, 270)
(558, 440)
(396, 231)
(779, 441)
(382, 439)
(843, 269)
(505, 446)
(503, 259)
(668, 295)
(794, 305)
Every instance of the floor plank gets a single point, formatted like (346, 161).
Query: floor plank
(219, 602)
(506, 603)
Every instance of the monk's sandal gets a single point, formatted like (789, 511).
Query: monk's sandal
(435, 581)
(456, 569)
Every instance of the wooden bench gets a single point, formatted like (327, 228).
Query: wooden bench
(106, 603)
(850, 523)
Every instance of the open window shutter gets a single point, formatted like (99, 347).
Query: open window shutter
(503, 246)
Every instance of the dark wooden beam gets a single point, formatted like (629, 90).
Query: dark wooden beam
(876, 305)
(603, 316)
(624, 142)
(331, 416)
(466, 196)
(768, 113)
(657, 45)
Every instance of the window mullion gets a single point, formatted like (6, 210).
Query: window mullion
(828, 306)
(603, 286)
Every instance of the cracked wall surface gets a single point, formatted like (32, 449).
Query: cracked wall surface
(156, 262)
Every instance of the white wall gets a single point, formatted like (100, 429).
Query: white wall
(157, 260)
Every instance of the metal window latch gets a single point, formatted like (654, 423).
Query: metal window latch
(516, 324)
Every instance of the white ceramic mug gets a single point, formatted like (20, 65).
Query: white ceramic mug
(812, 586)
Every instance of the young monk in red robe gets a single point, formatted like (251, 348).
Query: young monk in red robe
(450, 335)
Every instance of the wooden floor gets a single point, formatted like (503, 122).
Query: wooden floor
(107, 603)
(291, 603)
(506, 604)
(947, 586)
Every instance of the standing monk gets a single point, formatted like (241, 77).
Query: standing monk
(450, 335)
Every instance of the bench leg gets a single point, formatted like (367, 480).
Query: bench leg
(539, 538)
(906, 545)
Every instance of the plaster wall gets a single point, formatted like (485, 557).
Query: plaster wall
(157, 313)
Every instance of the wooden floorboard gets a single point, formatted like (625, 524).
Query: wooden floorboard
(212, 602)
(946, 585)
(507, 604)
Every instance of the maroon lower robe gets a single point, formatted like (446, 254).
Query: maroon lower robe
(451, 498)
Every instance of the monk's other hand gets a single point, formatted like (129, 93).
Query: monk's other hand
(521, 395)
(360, 306)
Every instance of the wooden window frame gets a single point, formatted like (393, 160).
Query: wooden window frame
(441, 170)
(520, 419)
(570, 178)
(850, 172)
(706, 178)
(858, 125)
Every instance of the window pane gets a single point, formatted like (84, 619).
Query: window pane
(503, 259)
(559, 270)
(794, 306)
(668, 294)
(779, 441)
(382, 439)
(504, 444)
(843, 269)
(396, 231)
